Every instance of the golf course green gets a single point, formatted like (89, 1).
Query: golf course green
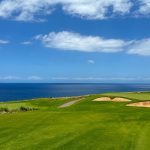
(41, 124)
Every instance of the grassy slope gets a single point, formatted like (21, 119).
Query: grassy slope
(86, 125)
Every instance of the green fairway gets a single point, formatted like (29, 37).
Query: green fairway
(85, 125)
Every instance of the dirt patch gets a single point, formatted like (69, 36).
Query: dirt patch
(140, 104)
(103, 99)
(117, 99)
(120, 99)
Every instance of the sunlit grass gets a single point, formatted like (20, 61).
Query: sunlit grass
(86, 125)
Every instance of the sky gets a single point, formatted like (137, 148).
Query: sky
(74, 41)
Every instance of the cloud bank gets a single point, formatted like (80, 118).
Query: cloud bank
(11, 78)
(121, 79)
(35, 10)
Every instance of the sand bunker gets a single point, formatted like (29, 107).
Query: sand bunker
(140, 104)
(103, 99)
(117, 99)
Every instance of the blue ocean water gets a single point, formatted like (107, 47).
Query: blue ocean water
(21, 91)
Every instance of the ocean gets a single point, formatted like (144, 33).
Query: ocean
(23, 91)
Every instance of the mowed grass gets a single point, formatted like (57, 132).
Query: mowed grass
(86, 125)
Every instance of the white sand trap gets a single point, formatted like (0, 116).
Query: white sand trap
(140, 104)
(102, 99)
(117, 99)
(120, 99)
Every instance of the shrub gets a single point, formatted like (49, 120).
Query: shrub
(23, 108)
(2, 109)
(16, 107)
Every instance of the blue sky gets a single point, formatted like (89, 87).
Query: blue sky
(74, 41)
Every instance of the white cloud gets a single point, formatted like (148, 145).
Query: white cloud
(34, 78)
(26, 43)
(24, 10)
(90, 61)
(97, 9)
(140, 47)
(74, 41)
(144, 7)
(29, 10)
(36, 10)
(4, 42)
(11, 78)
